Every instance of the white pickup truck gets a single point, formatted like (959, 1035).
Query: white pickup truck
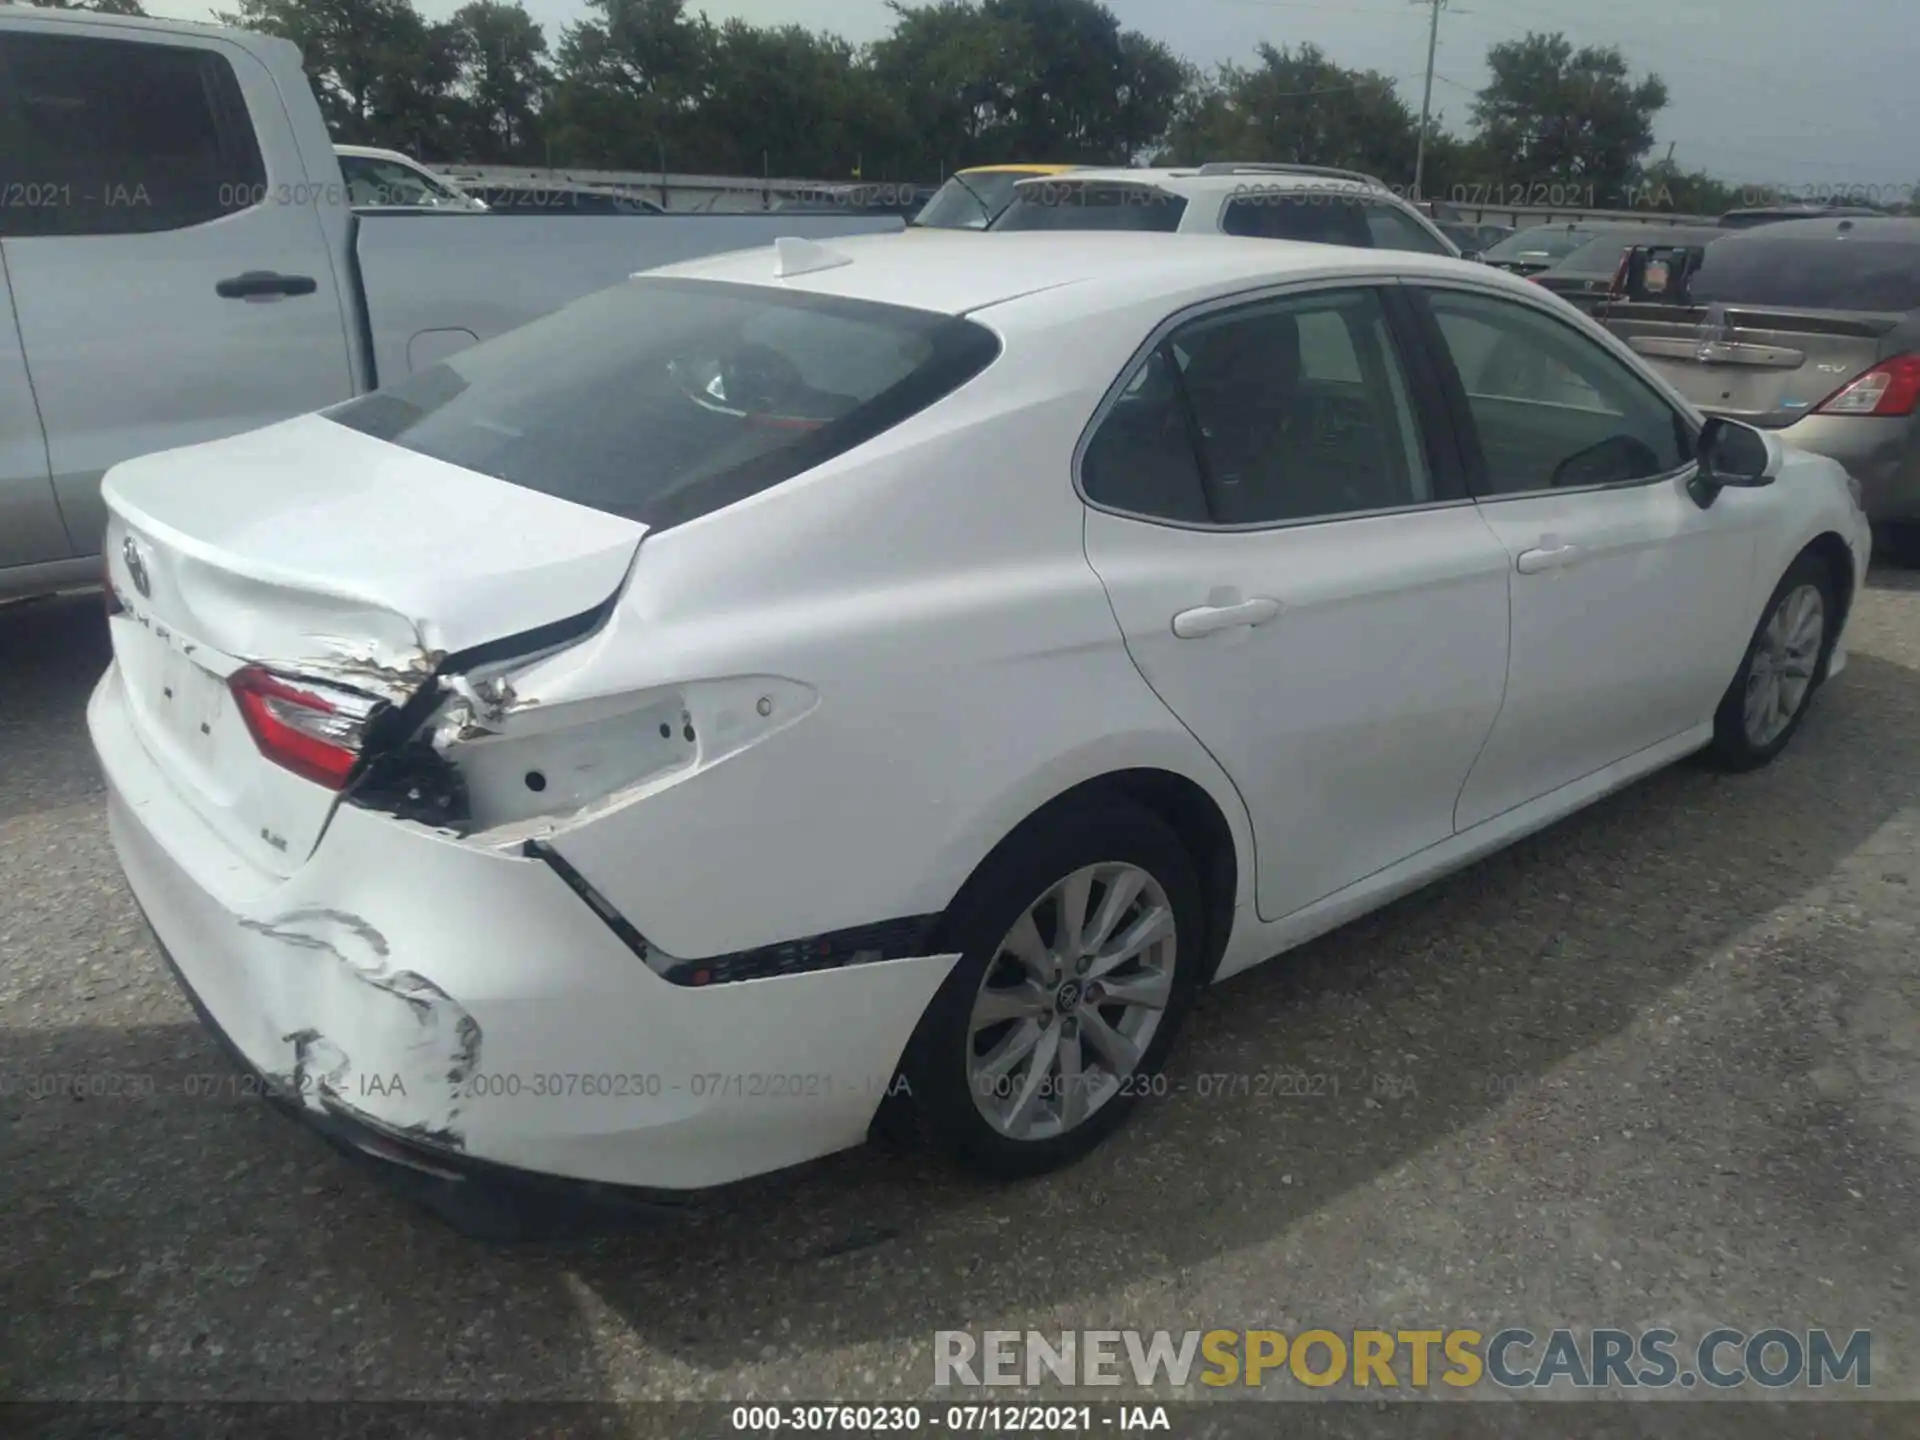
(180, 259)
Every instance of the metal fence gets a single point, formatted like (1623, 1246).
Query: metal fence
(710, 194)
(739, 194)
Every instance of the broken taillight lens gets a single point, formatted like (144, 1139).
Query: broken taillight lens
(313, 730)
(1890, 388)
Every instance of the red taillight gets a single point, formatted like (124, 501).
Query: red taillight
(1890, 388)
(311, 730)
(1619, 286)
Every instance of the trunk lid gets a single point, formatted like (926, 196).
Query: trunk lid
(316, 551)
(1767, 367)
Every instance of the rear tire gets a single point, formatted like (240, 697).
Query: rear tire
(1041, 1040)
(1785, 662)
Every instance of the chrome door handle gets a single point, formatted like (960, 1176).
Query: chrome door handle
(1212, 619)
(1532, 562)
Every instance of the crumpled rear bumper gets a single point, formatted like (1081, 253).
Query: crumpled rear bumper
(484, 1200)
(464, 1007)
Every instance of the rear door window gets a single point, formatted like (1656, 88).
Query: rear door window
(117, 137)
(1306, 213)
(1273, 413)
(1297, 214)
(1394, 229)
(664, 400)
(1062, 205)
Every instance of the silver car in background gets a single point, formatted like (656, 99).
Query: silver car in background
(1810, 328)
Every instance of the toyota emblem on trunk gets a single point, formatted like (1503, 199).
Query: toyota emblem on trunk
(136, 567)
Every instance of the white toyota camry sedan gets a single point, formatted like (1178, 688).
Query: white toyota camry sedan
(633, 749)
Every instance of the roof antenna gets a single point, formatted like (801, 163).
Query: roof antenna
(803, 257)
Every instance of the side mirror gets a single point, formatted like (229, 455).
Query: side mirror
(1733, 456)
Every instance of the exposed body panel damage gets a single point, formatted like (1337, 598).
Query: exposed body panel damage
(394, 677)
(518, 747)
(428, 1045)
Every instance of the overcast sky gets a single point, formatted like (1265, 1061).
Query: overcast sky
(1801, 93)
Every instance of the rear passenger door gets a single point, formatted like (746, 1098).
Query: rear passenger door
(1300, 577)
(171, 278)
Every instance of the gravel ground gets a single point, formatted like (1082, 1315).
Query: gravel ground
(1657, 1065)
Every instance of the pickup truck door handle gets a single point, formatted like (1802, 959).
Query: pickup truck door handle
(264, 285)
(1212, 619)
(1549, 557)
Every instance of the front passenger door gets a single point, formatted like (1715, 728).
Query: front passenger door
(1629, 598)
(1300, 579)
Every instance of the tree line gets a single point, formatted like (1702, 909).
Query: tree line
(649, 85)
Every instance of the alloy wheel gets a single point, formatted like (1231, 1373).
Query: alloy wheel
(1784, 659)
(1071, 1001)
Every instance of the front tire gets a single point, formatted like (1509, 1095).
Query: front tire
(1082, 944)
(1785, 661)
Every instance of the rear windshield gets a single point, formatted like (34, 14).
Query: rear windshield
(662, 400)
(969, 202)
(1058, 205)
(1818, 274)
(1554, 242)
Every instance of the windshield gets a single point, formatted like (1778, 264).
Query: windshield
(1548, 242)
(952, 208)
(1818, 274)
(1603, 252)
(662, 400)
(384, 182)
(1057, 205)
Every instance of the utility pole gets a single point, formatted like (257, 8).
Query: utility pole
(1426, 100)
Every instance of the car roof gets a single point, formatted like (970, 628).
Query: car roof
(373, 152)
(1625, 235)
(1656, 234)
(1808, 211)
(1190, 180)
(1588, 228)
(1017, 168)
(959, 272)
(1896, 229)
(50, 15)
